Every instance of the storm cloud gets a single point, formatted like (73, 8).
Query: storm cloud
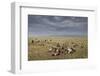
(43, 25)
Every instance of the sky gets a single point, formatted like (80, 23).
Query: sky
(46, 25)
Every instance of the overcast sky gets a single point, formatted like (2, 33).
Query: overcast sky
(42, 25)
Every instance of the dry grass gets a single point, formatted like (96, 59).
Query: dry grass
(39, 51)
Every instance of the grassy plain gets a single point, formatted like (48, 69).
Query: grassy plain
(38, 49)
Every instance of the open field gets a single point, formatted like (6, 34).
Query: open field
(38, 48)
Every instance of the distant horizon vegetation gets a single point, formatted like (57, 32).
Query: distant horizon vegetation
(57, 35)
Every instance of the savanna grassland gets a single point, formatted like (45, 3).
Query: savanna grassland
(38, 47)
